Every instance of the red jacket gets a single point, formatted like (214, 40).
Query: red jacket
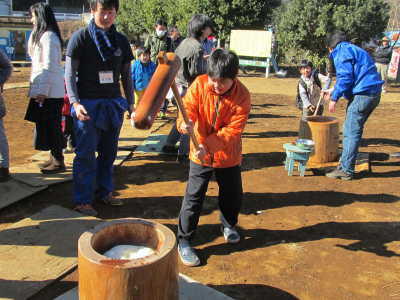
(219, 121)
(66, 109)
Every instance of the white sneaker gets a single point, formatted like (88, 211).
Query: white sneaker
(231, 235)
(187, 254)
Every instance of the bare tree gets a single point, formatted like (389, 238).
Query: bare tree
(394, 21)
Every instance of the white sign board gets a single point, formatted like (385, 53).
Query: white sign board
(256, 43)
(393, 71)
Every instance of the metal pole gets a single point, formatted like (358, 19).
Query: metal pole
(267, 67)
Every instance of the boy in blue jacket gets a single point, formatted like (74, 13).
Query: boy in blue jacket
(358, 81)
(142, 71)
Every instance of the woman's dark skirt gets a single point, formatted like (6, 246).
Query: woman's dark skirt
(47, 117)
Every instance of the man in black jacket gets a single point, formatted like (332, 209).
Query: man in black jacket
(382, 56)
(99, 57)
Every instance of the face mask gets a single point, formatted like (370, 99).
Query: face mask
(161, 33)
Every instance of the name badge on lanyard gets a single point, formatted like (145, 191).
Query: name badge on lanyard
(106, 77)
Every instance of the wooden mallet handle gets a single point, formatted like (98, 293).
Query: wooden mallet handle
(184, 114)
(318, 104)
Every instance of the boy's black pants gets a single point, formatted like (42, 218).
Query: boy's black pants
(229, 199)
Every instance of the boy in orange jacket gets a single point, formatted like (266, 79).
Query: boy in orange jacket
(218, 106)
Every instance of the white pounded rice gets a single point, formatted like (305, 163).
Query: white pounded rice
(128, 252)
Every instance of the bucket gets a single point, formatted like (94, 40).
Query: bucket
(324, 131)
(154, 277)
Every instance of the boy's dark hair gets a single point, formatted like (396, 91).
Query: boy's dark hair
(197, 24)
(335, 38)
(142, 50)
(306, 63)
(161, 22)
(223, 64)
(107, 4)
(173, 28)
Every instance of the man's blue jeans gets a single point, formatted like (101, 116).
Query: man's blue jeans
(358, 111)
(99, 134)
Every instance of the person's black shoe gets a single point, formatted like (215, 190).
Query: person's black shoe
(57, 166)
(4, 174)
(169, 149)
(183, 159)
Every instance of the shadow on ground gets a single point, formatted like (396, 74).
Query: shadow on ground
(379, 142)
(370, 237)
(253, 292)
(253, 202)
(269, 134)
(268, 116)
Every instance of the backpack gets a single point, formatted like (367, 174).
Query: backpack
(299, 102)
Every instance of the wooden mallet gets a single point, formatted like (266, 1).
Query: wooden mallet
(154, 96)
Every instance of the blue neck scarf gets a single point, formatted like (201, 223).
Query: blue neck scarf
(105, 40)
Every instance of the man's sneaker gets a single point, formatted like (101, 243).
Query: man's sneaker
(230, 234)
(86, 209)
(111, 200)
(187, 254)
(339, 174)
(395, 154)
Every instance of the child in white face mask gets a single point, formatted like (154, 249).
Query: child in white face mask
(159, 40)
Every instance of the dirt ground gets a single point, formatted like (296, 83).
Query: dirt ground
(302, 237)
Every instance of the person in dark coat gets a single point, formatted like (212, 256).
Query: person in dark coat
(5, 73)
(175, 36)
(382, 56)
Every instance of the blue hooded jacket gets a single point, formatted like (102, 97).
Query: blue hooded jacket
(356, 73)
(141, 74)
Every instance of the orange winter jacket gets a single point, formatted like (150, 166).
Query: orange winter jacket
(219, 121)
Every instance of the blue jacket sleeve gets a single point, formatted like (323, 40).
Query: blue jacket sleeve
(344, 64)
(133, 75)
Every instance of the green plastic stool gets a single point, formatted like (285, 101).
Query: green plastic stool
(296, 154)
